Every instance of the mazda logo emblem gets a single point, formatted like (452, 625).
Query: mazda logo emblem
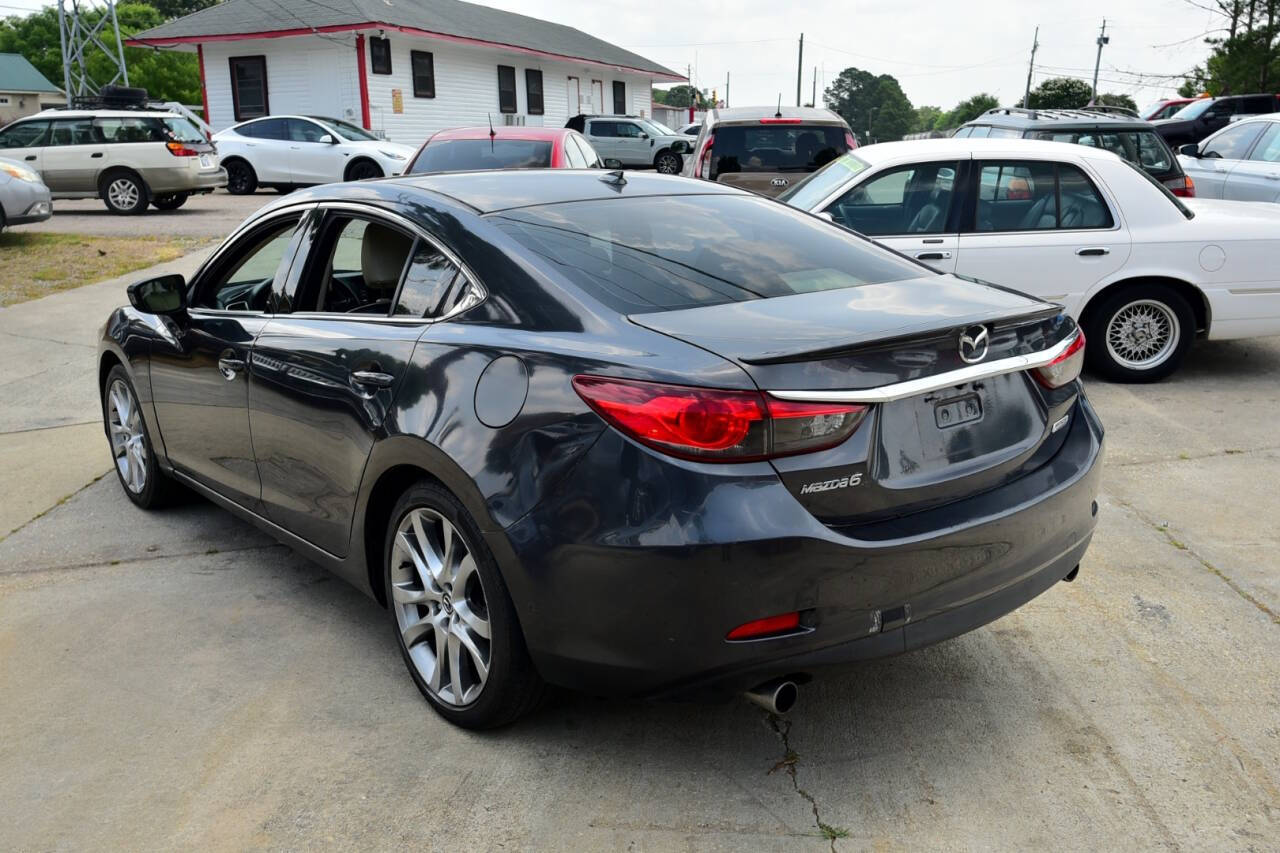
(973, 344)
(779, 182)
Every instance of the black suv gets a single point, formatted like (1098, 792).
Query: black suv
(1201, 118)
(1108, 128)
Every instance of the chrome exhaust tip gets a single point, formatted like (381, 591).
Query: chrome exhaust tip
(777, 697)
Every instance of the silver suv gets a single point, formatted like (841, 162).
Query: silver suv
(128, 158)
(634, 141)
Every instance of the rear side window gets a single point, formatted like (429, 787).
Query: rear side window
(464, 155)
(1037, 196)
(1004, 133)
(775, 148)
(121, 130)
(426, 283)
(642, 255)
(73, 131)
(27, 134)
(1143, 147)
(268, 128)
(604, 128)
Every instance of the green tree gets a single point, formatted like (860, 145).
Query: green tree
(1060, 93)
(875, 107)
(1247, 58)
(967, 110)
(1110, 99)
(895, 116)
(166, 75)
(684, 95)
(926, 118)
(178, 8)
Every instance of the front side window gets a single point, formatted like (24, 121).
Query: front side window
(346, 129)
(380, 55)
(649, 254)
(506, 89)
(27, 134)
(74, 131)
(1268, 149)
(355, 267)
(121, 130)
(908, 200)
(629, 130)
(424, 73)
(1232, 143)
(619, 98)
(244, 282)
(249, 86)
(533, 91)
(1037, 196)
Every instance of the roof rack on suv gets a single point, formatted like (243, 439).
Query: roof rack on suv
(1008, 111)
(1111, 110)
(113, 98)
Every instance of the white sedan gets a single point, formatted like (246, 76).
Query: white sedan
(1142, 271)
(296, 151)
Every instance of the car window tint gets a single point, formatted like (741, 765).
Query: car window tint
(1232, 143)
(305, 131)
(629, 130)
(463, 155)
(573, 156)
(75, 131)
(268, 128)
(27, 134)
(130, 129)
(244, 283)
(908, 200)
(1268, 148)
(355, 267)
(1035, 196)
(1004, 133)
(603, 128)
(979, 131)
(647, 254)
(427, 281)
(775, 148)
(1081, 206)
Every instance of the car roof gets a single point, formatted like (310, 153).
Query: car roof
(960, 146)
(816, 115)
(57, 113)
(543, 134)
(1017, 117)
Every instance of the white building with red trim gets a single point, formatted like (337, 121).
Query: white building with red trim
(403, 69)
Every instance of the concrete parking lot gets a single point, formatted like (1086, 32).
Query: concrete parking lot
(176, 679)
(213, 215)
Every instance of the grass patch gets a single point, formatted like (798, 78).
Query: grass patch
(35, 264)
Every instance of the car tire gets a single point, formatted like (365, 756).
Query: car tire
(132, 452)
(124, 193)
(455, 606)
(241, 179)
(170, 201)
(1139, 333)
(668, 163)
(362, 170)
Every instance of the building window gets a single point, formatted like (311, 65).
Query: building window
(380, 55)
(4, 99)
(424, 73)
(533, 90)
(249, 86)
(619, 98)
(506, 89)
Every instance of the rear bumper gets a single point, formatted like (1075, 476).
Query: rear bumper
(628, 579)
(184, 179)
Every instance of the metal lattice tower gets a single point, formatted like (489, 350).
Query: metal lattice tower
(80, 35)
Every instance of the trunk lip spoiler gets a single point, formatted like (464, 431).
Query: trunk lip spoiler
(925, 384)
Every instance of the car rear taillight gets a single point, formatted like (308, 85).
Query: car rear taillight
(1183, 186)
(849, 142)
(716, 425)
(702, 167)
(780, 120)
(1065, 368)
(177, 149)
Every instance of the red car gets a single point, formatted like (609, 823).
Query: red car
(468, 149)
(1165, 108)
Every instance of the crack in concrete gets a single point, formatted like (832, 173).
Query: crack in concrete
(1187, 457)
(790, 759)
(11, 334)
(50, 509)
(146, 558)
(1163, 530)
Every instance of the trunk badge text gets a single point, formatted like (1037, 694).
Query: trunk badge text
(779, 182)
(828, 485)
(973, 344)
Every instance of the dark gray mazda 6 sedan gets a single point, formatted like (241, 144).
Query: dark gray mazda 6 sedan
(633, 434)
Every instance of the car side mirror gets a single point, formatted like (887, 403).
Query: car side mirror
(644, 136)
(166, 295)
(822, 214)
(612, 163)
(328, 139)
(1192, 150)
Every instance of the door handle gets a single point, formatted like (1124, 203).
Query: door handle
(1273, 176)
(229, 367)
(30, 158)
(1093, 251)
(932, 256)
(95, 155)
(372, 378)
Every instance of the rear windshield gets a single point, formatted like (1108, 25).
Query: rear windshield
(775, 148)
(1143, 147)
(461, 155)
(183, 130)
(649, 254)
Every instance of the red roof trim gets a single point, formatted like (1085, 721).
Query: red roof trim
(341, 28)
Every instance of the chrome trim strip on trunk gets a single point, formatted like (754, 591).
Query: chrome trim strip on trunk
(925, 384)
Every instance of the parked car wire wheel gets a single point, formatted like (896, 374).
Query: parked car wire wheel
(454, 619)
(241, 179)
(171, 201)
(124, 193)
(668, 163)
(1142, 333)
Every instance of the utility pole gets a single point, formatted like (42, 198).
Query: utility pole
(726, 90)
(814, 98)
(693, 93)
(1031, 66)
(799, 69)
(78, 36)
(1103, 39)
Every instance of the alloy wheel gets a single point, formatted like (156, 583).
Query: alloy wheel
(440, 606)
(668, 164)
(128, 440)
(1143, 334)
(123, 193)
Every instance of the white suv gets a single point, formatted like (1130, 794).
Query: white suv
(128, 158)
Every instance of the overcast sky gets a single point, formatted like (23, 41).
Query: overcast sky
(941, 52)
